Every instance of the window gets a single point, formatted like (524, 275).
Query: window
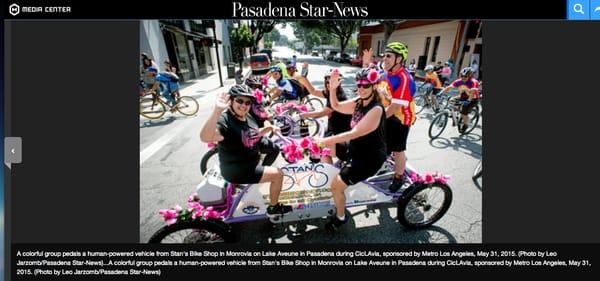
(427, 43)
(436, 44)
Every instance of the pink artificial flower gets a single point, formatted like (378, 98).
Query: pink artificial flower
(265, 80)
(303, 108)
(428, 178)
(191, 198)
(299, 153)
(373, 76)
(211, 214)
(305, 142)
(290, 105)
(258, 95)
(291, 158)
(278, 108)
(177, 208)
(170, 216)
(326, 152)
(210, 145)
(315, 149)
(414, 177)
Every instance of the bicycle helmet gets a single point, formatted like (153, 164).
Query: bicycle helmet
(290, 65)
(428, 68)
(466, 71)
(253, 81)
(276, 69)
(397, 48)
(241, 90)
(367, 76)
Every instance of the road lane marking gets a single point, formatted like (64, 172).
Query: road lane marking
(161, 142)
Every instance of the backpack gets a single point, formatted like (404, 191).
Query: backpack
(168, 77)
(300, 89)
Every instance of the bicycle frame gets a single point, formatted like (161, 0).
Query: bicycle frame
(308, 201)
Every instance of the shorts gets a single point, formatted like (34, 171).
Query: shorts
(242, 174)
(465, 109)
(361, 169)
(396, 135)
(341, 149)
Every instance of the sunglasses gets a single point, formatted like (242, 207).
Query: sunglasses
(364, 86)
(388, 55)
(241, 101)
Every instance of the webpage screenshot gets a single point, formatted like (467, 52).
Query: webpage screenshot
(171, 139)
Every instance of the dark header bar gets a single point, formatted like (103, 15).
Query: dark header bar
(284, 9)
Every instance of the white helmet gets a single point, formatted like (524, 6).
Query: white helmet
(429, 68)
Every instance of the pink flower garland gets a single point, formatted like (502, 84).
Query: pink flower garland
(291, 106)
(194, 211)
(294, 152)
(429, 178)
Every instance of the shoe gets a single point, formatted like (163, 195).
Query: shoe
(463, 128)
(278, 209)
(334, 223)
(398, 183)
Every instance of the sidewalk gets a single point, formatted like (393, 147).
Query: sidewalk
(207, 83)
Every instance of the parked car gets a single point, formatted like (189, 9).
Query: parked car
(342, 58)
(356, 61)
(315, 53)
(331, 55)
(260, 63)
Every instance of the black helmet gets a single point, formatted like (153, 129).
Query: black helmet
(253, 81)
(367, 74)
(241, 90)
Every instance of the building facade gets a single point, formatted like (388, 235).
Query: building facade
(188, 44)
(429, 42)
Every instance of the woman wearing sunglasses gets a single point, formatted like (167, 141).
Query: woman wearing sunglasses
(367, 148)
(239, 140)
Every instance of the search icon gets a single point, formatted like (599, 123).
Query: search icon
(578, 8)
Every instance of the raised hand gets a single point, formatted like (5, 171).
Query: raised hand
(367, 56)
(335, 81)
(222, 101)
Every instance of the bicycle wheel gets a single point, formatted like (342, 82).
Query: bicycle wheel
(473, 120)
(478, 170)
(314, 104)
(424, 204)
(151, 108)
(187, 106)
(438, 125)
(194, 232)
(420, 103)
(210, 159)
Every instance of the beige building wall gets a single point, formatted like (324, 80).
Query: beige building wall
(415, 38)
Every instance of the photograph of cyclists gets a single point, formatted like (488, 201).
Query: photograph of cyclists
(284, 131)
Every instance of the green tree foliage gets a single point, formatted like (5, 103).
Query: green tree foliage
(240, 38)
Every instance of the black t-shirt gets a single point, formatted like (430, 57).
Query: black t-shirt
(241, 138)
(371, 145)
(337, 122)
